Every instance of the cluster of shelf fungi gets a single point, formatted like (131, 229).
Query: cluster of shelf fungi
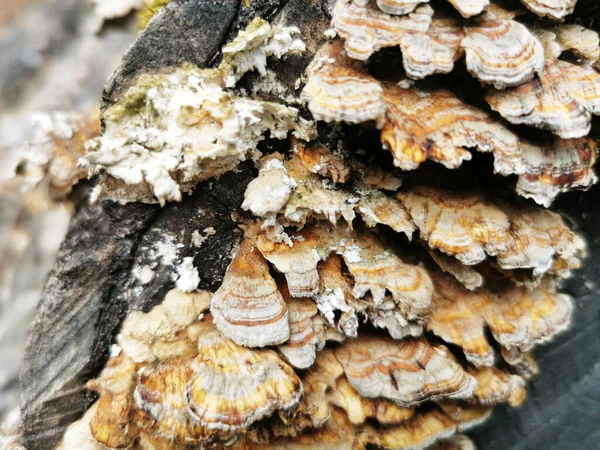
(377, 299)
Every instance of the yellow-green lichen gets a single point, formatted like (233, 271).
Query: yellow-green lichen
(150, 10)
(135, 100)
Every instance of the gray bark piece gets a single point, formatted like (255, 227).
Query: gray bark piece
(183, 31)
(64, 348)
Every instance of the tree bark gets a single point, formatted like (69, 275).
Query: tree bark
(93, 285)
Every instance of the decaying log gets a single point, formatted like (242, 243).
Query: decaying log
(121, 258)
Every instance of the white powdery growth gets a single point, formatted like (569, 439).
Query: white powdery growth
(188, 277)
(170, 132)
(329, 301)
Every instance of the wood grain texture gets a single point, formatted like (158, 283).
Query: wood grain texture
(64, 348)
(93, 287)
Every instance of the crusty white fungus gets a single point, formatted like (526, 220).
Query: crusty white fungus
(171, 131)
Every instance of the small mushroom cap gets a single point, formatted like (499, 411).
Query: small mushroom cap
(417, 433)
(234, 386)
(298, 263)
(502, 52)
(554, 9)
(336, 434)
(458, 442)
(434, 50)
(396, 7)
(314, 197)
(516, 317)
(335, 295)
(498, 386)
(340, 90)
(439, 126)
(561, 165)
(376, 177)
(562, 100)
(322, 376)
(377, 270)
(584, 43)
(523, 363)
(389, 316)
(359, 409)
(271, 190)
(300, 350)
(110, 424)
(407, 372)
(248, 307)
(540, 240)
(377, 208)
(469, 8)
(465, 415)
(317, 158)
(466, 275)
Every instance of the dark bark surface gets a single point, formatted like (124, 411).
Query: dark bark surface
(189, 31)
(93, 285)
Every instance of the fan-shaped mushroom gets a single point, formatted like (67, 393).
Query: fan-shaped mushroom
(561, 100)
(339, 89)
(248, 307)
(516, 317)
(407, 372)
(502, 52)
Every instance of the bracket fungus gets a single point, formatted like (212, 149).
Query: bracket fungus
(502, 52)
(301, 348)
(335, 325)
(516, 317)
(207, 395)
(434, 50)
(407, 372)
(469, 8)
(339, 90)
(396, 7)
(470, 228)
(248, 307)
(366, 29)
(554, 9)
(437, 125)
(235, 386)
(562, 100)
